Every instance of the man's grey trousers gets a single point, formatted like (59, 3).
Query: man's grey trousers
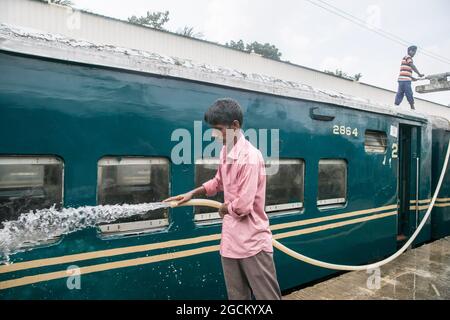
(255, 274)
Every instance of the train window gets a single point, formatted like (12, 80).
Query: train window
(29, 183)
(375, 141)
(206, 169)
(284, 188)
(133, 180)
(332, 182)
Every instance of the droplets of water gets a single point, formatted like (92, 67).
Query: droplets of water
(39, 226)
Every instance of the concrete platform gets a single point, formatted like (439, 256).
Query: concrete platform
(418, 274)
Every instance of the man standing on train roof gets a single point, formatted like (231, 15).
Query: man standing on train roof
(405, 78)
(246, 243)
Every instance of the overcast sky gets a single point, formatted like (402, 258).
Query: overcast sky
(311, 36)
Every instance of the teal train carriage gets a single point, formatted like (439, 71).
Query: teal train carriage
(88, 125)
(440, 219)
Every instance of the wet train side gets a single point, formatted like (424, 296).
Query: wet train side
(441, 211)
(351, 186)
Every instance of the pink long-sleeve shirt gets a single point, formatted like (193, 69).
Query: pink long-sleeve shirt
(241, 176)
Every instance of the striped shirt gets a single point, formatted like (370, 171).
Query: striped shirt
(405, 69)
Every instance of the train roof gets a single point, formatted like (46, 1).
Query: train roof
(439, 122)
(36, 43)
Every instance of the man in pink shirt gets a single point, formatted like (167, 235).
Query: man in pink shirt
(246, 245)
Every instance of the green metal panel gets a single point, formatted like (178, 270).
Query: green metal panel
(440, 214)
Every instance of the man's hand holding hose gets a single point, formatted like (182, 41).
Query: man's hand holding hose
(178, 200)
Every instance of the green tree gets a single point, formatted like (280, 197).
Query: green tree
(239, 45)
(267, 50)
(152, 19)
(344, 75)
(357, 76)
(190, 32)
(61, 2)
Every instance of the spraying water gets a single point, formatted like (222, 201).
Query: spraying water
(36, 227)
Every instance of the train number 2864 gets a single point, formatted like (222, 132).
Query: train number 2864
(343, 130)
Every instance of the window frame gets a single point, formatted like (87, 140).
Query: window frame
(372, 149)
(38, 159)
(289, 207)
(35, 160)
(271, 210)
(133, 227)
(332, 202)
(212, 217)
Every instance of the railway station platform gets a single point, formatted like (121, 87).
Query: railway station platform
(422, 273)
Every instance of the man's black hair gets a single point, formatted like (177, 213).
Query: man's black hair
(224, 112)
(412, 48)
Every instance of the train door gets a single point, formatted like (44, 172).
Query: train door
(408, 180)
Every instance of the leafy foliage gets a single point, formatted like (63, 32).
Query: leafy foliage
(190, 32)
(344, 75)
(152, 19)
(61, 2)
(267, 50)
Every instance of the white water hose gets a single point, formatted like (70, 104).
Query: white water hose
(299, 256)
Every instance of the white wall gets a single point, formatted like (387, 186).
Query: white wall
(103, 30)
